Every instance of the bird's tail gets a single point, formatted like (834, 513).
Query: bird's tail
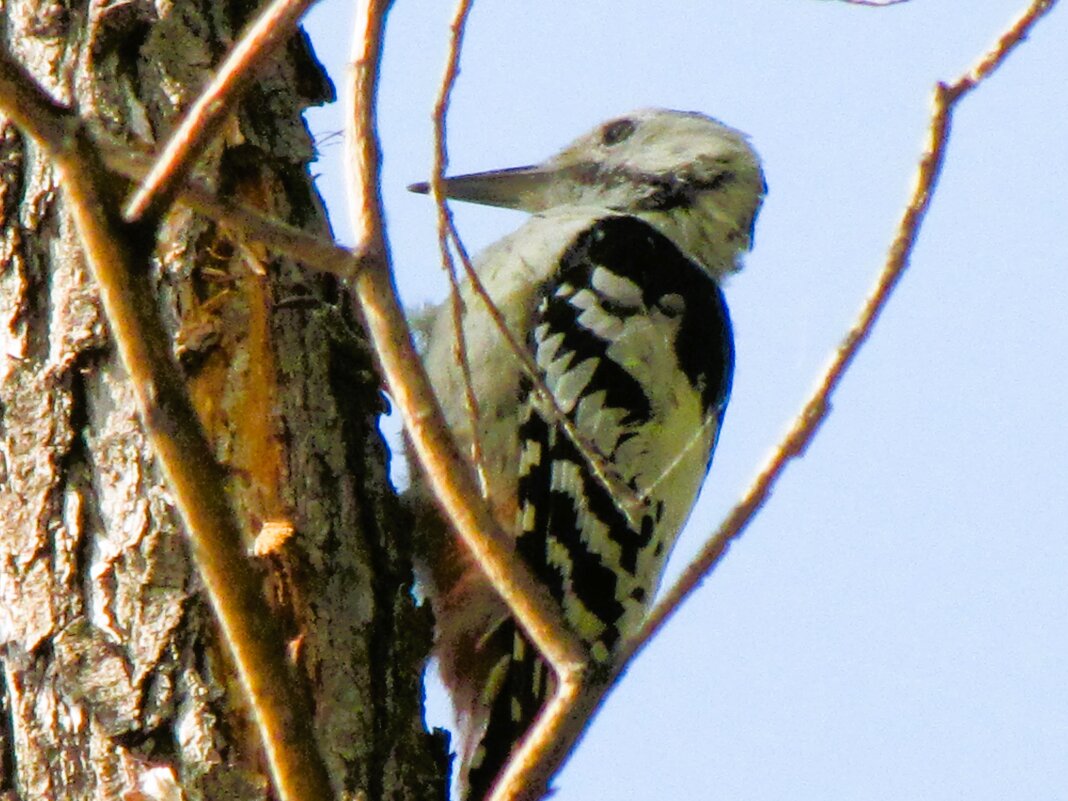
(495, 677)
(514, 692)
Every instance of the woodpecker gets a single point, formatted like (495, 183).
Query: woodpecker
(614, 287)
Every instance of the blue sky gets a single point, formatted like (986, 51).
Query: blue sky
(894, 625)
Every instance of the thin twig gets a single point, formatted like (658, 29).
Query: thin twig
(474, 414)
(529, 779)
(246, 223)
(437, 192)
(198, 129)
(543, 733)
(629, 502)
(445, 469)
(197, 482)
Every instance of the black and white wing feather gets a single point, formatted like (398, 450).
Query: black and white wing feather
(634, 341)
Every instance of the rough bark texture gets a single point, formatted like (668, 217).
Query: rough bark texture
(113, 681)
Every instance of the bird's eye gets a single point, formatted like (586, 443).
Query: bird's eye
(615, 132)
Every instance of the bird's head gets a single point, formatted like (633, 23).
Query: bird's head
(692, 177)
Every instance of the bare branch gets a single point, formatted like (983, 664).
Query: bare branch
(446, 228)
(447, 472)
(996, 55)
(269, 31)
(543, 734)
(196, 480)
(630, 503)
(245, 222)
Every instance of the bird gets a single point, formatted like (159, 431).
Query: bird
(613, 287)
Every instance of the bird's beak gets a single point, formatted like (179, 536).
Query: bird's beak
(523, 188)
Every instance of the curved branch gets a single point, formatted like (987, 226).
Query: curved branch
(446, 471)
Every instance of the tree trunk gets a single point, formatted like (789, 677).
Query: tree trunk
(114, 681)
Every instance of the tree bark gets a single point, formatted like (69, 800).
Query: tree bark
(114, 681)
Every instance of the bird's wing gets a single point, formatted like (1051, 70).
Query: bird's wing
(634, 341)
